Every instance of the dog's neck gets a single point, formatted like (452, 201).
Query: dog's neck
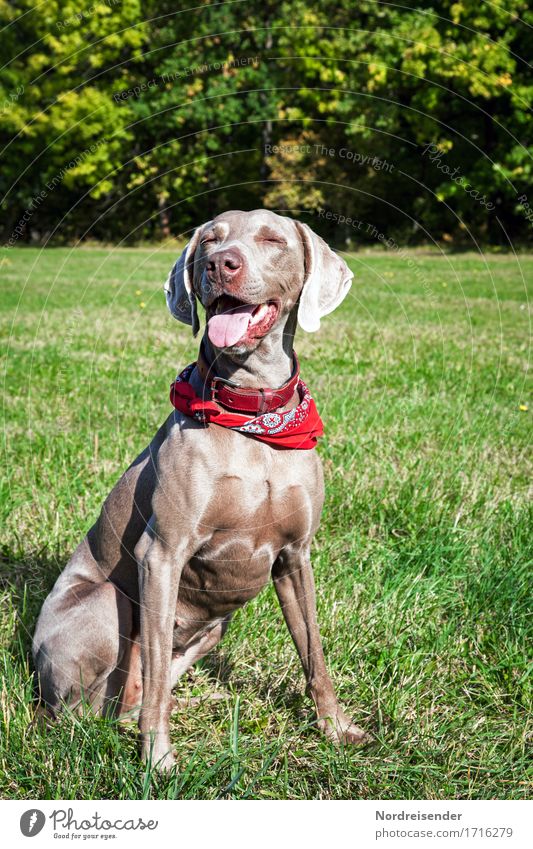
(268, 365)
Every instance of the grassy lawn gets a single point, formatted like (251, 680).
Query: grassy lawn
(422, 561)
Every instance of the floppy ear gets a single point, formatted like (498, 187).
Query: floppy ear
(326, 283)
(178, 287)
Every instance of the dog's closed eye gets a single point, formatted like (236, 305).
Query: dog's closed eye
(265, 234)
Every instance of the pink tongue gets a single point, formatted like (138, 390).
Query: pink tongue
(227, 328)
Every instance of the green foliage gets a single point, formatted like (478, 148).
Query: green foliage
(173, 114)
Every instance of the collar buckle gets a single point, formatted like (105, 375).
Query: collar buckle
(244, 400)
(214, 387)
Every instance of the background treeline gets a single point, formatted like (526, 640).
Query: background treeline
(132, 120)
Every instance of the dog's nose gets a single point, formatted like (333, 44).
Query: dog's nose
(226, 264)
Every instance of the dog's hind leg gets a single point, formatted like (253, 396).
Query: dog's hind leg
(193, 651)
(197, 648)
(79, 641)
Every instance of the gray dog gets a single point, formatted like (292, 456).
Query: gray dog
(207, 513)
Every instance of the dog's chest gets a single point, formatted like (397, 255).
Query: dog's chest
(248, 522)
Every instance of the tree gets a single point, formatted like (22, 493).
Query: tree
(414, 120)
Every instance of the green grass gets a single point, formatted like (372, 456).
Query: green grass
(422, 560)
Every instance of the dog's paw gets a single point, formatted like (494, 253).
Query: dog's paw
(341, 730)
(165, 763)
(158, 753)
(354, 736)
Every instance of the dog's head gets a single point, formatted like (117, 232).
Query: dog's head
(249, 269)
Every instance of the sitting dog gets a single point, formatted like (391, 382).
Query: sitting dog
(228, 493)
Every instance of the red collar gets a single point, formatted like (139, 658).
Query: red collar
(245, 400)
(297, 428)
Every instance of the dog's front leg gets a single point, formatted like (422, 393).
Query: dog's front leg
(159, 577)
(295, 587)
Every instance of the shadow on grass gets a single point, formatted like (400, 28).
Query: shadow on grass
(26, 580)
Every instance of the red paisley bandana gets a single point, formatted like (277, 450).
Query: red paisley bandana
(298, 428)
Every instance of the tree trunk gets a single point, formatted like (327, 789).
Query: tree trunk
(164, 221)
